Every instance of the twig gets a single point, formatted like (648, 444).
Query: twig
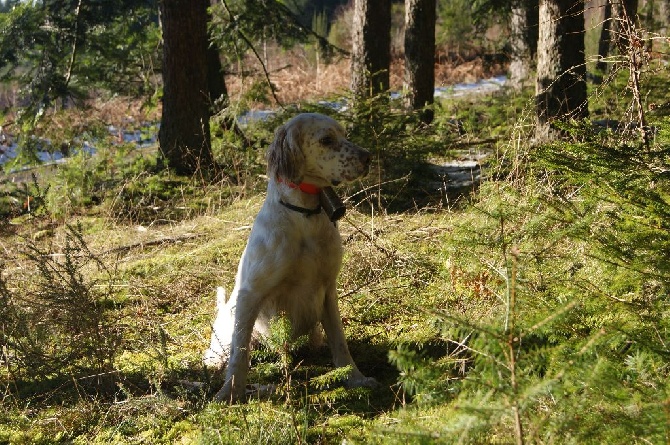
(151, 243)
(475, 142)
(635, 50)
(377, 185)
(383, 250)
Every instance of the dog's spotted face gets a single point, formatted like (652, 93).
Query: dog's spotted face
(314, 146)
(329, 154)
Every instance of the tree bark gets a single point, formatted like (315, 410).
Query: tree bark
(561, 66)
(371, 52)
(420, 56)
(184, 135)
(522, 22)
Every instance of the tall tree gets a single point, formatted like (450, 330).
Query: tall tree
(561, 65)
(420, 56)
(604, 42)
(184, 135)
(523, 40)
(371, 52)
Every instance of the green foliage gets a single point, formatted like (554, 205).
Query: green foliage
(253, 423)
(88, 179)
(124, 55)
(462, 24)
(74, 186)
(339, 33)
(281, 342)
(239, 26)
(24, 198)
(578, 238)
(306, 10)
(242, 159)
(456, 23)
(628, 186)
(421, 376)
(58, 50)
(320, 23)
(127, 183)
(489, 117)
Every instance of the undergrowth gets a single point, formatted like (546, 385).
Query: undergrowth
(534, 311)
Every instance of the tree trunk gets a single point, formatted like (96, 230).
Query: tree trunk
(604, 42)
(371, 52)
(561, 66)
(420, 56)
(631, 6)
(521, 37)
(184, 135)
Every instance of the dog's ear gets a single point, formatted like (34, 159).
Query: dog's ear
(285, 157)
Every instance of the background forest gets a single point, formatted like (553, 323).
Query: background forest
(506, 273)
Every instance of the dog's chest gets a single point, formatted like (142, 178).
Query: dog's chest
(320, 251)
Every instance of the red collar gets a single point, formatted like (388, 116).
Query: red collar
(304, 187)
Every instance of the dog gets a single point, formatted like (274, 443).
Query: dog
(294, 253)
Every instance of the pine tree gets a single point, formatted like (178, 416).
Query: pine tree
(420, 56)
(561, 66)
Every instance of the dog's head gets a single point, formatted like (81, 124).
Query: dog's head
(313, 148)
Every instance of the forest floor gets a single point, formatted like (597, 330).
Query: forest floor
(490, 314)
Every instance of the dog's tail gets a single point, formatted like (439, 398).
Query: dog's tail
(219, 348)
(220, 297)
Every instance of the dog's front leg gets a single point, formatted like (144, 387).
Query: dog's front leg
(246, 312)
(332, 324)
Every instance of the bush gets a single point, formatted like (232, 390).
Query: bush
(573, 347)
(58, 321)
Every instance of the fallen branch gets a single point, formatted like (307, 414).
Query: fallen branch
(157, 242)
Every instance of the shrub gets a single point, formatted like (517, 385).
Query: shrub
(57, 322)
(574, 347)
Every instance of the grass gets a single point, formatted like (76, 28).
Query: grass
(164, 299)
(534, 307)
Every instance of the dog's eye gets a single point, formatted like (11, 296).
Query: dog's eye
(326, 140)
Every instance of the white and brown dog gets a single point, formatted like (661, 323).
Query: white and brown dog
(294, 252)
